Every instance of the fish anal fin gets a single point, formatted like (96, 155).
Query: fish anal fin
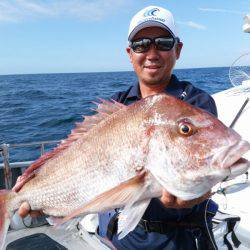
(114, 198)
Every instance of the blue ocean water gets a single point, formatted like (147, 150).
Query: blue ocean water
(45, 107)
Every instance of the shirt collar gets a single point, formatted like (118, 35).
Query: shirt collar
(173, 88)
(134, 92)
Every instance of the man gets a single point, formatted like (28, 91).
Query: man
(168, 223)
(153, 50)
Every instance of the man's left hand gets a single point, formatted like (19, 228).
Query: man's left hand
(170, 201)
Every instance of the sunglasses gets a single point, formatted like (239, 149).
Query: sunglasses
(161, 43)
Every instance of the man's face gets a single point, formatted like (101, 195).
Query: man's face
(154, 67)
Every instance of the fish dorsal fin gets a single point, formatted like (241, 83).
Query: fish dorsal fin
(104, 109)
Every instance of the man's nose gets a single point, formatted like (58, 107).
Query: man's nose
(152, 53)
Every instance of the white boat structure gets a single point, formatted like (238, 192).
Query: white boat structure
(233, 198)
(234, 110)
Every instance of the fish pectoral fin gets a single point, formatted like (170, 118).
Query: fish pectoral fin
(130, 217)
(126, 193)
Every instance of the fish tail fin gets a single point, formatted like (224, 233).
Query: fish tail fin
(5, 216)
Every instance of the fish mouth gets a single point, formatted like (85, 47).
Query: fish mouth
(231, 156)
(239, 167)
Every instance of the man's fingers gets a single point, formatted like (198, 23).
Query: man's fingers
(189, 204)
(202, 198)
(171, 201)
(35, 214)
(207, 195)
(167, 199)
(24, 209)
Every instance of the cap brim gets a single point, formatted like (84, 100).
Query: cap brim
(146, 24)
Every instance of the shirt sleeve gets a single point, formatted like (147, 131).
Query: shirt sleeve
(116, 96)
(204, 101)
(201, 99)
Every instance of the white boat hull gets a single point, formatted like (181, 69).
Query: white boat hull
(236, 201)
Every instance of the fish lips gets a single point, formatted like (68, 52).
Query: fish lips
(231, 158)
(239, 167)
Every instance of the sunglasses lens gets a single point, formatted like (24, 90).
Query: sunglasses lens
(164, 43)
(161, 43)
(140, 46)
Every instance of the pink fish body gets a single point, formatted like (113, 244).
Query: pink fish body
(124, 156)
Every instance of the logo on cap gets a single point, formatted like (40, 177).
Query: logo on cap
(151, 12)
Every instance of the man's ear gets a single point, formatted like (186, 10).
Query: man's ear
(128, 49)
(178, 49)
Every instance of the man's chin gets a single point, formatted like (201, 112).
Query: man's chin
(153, 81)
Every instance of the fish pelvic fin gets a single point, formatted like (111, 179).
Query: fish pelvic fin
(133, 211)
(126, 193)
(130, 217)
(104, 109)
(5, 216)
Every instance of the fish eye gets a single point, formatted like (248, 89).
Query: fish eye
(185, 128)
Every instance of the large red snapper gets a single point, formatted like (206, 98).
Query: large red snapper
(123, 156)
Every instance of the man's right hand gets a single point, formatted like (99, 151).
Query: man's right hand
(25, 209)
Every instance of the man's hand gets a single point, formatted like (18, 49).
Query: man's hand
(170, 201)
(24, 210)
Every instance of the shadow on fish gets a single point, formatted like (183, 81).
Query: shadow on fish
(123, 156)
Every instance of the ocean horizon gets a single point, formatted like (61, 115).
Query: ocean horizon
(111, 71)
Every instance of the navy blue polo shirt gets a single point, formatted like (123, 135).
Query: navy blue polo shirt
(179, 238)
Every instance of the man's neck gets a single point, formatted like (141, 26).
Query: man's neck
(147, 90)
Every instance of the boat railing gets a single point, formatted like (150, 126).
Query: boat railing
(6, 165)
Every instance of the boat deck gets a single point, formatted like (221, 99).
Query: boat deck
(68, 239)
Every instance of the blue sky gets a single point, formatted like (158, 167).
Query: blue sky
(56, 36)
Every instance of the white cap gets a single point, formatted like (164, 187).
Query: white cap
(152, 16)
